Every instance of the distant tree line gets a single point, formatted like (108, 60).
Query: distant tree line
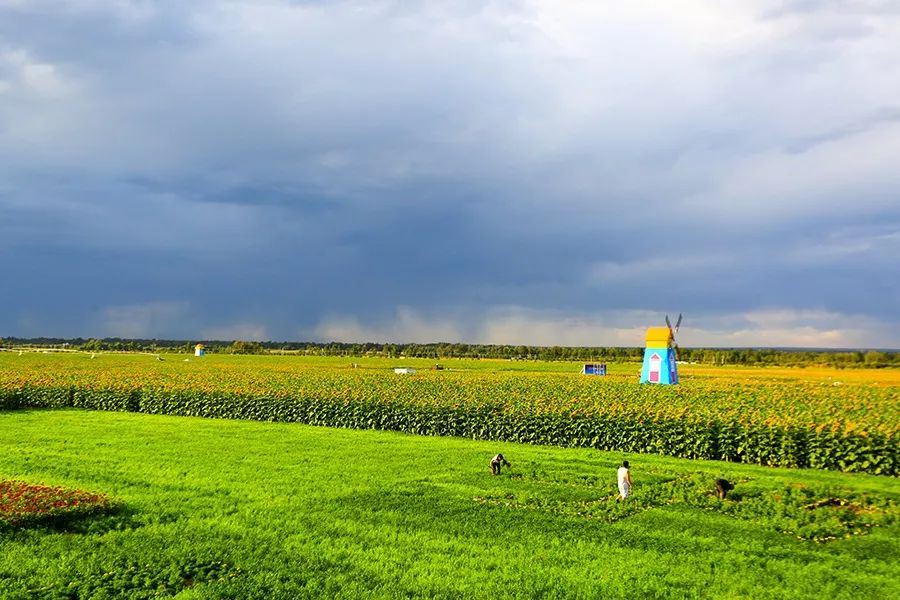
(707, 356)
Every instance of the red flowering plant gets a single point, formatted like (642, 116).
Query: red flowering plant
(23, 504)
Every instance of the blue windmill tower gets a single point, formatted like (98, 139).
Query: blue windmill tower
(660, 364)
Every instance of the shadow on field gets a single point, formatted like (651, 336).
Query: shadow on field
(118, 518)
(428, 507)
(578, 505)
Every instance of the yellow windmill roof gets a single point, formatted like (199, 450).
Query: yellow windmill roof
(659, 335)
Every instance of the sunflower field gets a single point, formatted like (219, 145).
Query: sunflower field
(789, 418)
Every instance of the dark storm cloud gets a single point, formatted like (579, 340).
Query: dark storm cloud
(407, 170)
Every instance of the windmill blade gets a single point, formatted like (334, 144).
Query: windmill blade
(678, 323)
(668, 323)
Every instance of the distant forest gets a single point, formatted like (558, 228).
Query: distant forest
(708, 356)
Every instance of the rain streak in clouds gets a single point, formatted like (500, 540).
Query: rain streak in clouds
(517, 172)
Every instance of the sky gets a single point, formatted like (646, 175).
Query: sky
(510, 172)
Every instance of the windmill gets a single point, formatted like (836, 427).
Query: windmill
(660, 364)
(675, 330)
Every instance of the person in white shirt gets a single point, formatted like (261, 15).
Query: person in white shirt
(497, 462)
(624, 477)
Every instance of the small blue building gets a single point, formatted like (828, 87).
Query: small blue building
(594, 369)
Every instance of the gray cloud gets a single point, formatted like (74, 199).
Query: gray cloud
(391, 168)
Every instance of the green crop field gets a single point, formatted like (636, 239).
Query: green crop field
(236, 509)
(801, 418)
(136, 497)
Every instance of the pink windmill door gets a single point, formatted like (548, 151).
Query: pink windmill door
(655, 361)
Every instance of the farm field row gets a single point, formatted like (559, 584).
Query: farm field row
(219, 508)
(815, 418)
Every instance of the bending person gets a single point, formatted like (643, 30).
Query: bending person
(497, 462)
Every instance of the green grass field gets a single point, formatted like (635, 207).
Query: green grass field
(238, 509)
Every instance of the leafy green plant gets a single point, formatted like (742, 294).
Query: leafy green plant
(776, 423)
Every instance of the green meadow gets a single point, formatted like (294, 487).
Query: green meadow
(209, 508)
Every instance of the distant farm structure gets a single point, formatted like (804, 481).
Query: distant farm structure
(594, 369)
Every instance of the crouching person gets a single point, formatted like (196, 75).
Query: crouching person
(723, 486)
(497, 462)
